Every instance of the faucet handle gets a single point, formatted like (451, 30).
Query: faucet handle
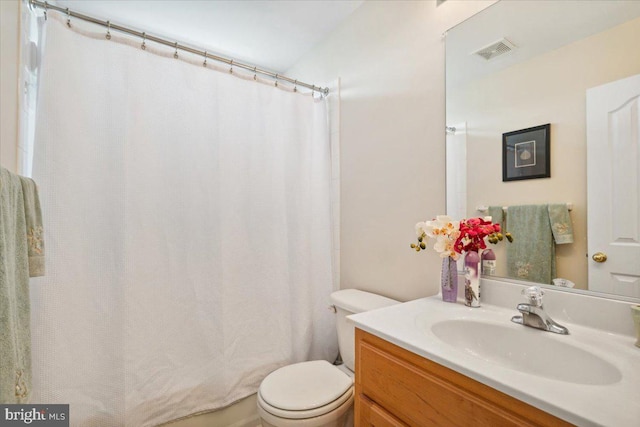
(534, 295)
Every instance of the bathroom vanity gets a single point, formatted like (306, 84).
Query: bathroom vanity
(427, 362)
(395, 387)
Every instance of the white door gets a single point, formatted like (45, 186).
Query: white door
(613, 182)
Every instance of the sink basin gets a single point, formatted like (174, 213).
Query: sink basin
(527, 350)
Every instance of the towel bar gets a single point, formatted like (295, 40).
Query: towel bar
(483, 208)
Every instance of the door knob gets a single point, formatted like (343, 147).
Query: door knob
(599, 257)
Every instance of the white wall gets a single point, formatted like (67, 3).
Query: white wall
(550, 88)
(389, 56)
(9, 48)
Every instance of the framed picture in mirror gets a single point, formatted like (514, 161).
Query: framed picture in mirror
(526, 153)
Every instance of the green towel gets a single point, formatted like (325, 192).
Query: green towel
(17, 241)
(561, 224)
(497, 215)
(532, 255)
(33, 219)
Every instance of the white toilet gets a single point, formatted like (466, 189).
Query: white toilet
(317, 393)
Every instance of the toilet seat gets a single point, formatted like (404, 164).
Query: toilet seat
(305, 390)
(345, 399)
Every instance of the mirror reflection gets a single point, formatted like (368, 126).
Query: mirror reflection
(572, 65)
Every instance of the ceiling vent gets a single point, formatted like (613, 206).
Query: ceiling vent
(495, 49)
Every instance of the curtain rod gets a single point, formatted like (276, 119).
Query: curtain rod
(175, 45)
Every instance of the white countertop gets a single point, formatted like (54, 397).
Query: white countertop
(408, 325)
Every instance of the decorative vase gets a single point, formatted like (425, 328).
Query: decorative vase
(449, 280)
(472, 279)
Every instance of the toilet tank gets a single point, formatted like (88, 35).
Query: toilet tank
(352, 301)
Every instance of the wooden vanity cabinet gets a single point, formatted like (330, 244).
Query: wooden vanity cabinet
(395, 387)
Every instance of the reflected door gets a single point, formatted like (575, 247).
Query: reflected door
(613, 182)
(456, 166)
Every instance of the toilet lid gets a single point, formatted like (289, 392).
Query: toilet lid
(304, 386)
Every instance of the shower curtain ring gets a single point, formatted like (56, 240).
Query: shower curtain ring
(255, 74)
(295, 86)
(204, 64)
(231, 68)
(46, 7)
(68, 18)
(108, 36)
(276, 85)
(175, 54)
(144, 41)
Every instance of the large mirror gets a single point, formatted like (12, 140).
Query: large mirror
(522, 64)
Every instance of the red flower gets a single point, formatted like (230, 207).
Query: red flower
(472, 234)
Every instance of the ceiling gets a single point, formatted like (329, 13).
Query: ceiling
(272, 34)
(557, 23)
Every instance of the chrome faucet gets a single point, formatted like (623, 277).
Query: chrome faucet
(533, 314)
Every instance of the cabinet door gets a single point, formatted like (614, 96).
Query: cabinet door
(396, 386)
(369, 414)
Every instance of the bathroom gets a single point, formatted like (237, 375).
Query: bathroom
(384, 64)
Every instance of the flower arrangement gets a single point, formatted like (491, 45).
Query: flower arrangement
(456, 237)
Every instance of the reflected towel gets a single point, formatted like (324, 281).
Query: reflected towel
(497, 215)
(561, 224)
(532, 255)
(15, 333)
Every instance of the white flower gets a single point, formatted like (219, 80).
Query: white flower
(445, 231)
(421, 228)
(442, 225)
(441, 244)
(444, 245)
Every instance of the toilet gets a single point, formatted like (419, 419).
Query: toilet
(317, 393)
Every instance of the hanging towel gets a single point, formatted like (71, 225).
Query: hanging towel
(561, 224)
(33, 221)
(532, 255)
(15, 332)
(497, 215)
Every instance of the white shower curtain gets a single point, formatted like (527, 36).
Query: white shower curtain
(187, 218)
